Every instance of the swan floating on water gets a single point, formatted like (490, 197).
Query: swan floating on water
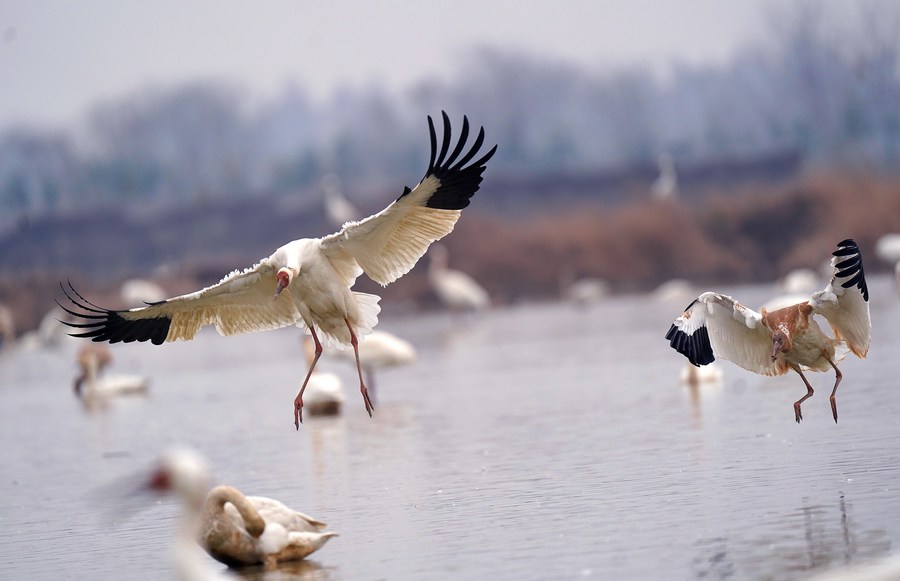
(233, 528)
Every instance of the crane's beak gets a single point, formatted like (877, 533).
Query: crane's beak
(283, 281)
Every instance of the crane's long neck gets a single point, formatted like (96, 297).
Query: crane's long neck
(219, 495)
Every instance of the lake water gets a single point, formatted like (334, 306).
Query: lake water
(538, 441)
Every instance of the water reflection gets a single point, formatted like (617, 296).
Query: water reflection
(537, 443)
(812, 538)
(306, 570)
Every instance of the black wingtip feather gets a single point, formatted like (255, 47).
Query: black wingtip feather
(696, 346)
(458, 181)
(109, 325)
(851, 267)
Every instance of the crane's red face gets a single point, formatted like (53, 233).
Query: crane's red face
(283, 277)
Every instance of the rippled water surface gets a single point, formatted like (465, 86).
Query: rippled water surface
(534, 442)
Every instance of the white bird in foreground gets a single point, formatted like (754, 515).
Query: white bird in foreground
(771, 343)
(381, 350)
(99, 389)
(236, 529)
(456, 289)
(310, 278)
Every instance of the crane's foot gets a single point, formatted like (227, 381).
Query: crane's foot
(834, 408)
(798, 415)
(298, 412)
(365, 393)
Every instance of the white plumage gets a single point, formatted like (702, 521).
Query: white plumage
(708, 374)
(888, 248)
(310, 278)
(666, 185)
(380, 350)
(324, 392)
(97, 389)
(771, 343)
(456, 289)
(137, 292)
(236, 529)
(800, 281)
(337, 207)
(586, 291)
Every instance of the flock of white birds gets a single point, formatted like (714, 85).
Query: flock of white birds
(307, 283)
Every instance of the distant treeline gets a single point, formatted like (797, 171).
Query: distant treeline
(752, 233)
(824, 87)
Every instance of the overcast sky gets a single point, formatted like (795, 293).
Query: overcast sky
(58, 57)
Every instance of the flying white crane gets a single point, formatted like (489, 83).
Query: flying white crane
(307, 282)
(771, 343)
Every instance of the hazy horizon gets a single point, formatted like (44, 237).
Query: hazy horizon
(58, 59)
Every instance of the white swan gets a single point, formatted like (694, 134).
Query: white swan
(236, 529)
(95, 389)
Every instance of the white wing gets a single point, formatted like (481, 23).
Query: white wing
(272, 510)
(242, 302)
(716, 325)
(845, 301)
(388, 244)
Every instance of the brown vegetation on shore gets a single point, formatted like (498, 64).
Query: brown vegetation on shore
(750, 235)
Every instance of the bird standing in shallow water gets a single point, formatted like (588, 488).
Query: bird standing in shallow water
(310, 278)
(380, 350)
(771, 343)
(96, 390)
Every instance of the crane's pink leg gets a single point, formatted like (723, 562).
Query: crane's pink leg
(298, 401)
(809, 391)
(837, 379)
(362, 385)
